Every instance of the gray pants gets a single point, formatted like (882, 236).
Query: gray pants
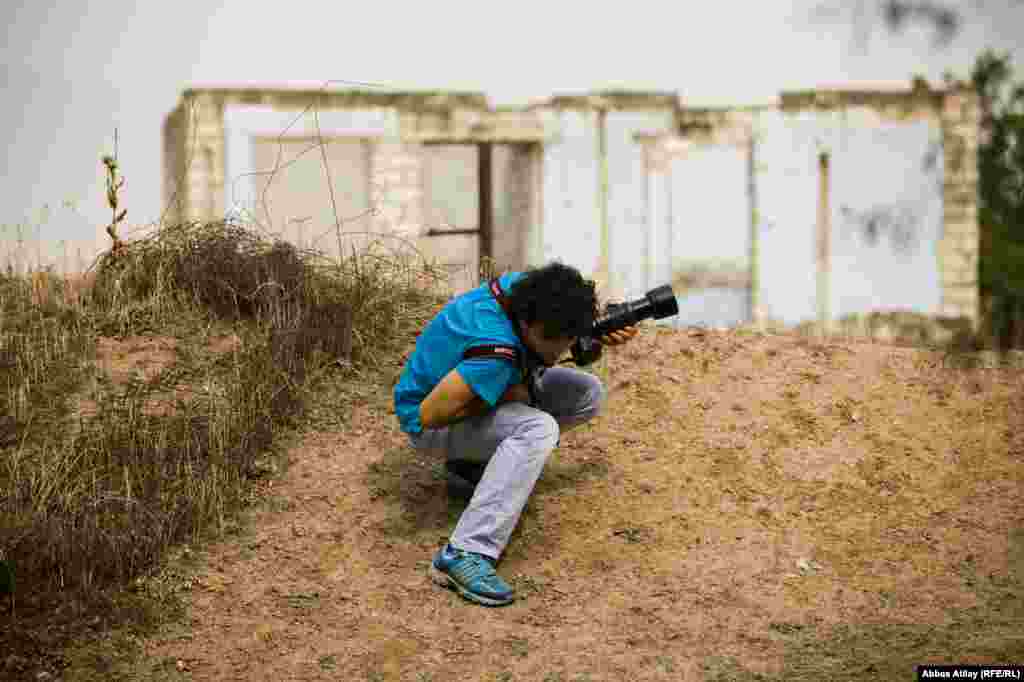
(514, 441)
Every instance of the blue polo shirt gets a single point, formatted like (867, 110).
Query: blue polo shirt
(472, 319)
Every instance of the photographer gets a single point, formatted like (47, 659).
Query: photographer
(482, 389)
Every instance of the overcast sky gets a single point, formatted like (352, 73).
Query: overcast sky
(72, 74)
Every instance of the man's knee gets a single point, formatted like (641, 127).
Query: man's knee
(597, 396)
(541, 428)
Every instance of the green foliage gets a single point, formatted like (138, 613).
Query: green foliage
(1001, 196)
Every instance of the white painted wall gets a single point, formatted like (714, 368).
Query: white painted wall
(787, 194)
(699, 212)
(295, 203)
(693, 208)
(628, 223)
(710, 224)
(451, 202)
(514, 202)
(892, 170)
(242, 124)
(571, 223)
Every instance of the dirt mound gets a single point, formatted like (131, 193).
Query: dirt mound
(746, 505)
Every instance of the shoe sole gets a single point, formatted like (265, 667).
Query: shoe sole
(445, 580)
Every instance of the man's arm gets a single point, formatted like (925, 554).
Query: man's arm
(452, 400)
(445, 403)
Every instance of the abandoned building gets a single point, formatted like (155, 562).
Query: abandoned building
(825, 205)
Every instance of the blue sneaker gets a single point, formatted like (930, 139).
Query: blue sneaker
(471, 575)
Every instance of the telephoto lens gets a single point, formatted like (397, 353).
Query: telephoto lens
(658, 303)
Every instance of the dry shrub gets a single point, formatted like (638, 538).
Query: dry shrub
(86, 510)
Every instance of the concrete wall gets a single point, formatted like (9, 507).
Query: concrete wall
(571, 219)
(887, 227)
(958, 248)
(515, 202)
(451, 205)
(698, 227)
(886, 218)
(296, 203)
(628, 246)
(635, 190)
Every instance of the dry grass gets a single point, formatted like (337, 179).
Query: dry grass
(92, 498)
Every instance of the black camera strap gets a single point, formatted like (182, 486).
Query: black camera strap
(528, 363)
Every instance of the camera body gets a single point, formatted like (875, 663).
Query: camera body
(657, 303)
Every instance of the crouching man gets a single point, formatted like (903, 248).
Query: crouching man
(466, 393)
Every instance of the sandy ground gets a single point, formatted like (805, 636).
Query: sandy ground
(746, 505)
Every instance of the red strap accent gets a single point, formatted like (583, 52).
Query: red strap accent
(493, 352)
(496, 351)
(496, 291)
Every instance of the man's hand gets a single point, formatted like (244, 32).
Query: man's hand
(516, 393)
(617, 338)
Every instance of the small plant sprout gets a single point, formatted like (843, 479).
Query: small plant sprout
(114, 185)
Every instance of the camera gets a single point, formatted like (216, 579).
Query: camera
(657, 303)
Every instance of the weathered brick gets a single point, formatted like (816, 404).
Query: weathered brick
(966, 175)
(959, 256)
(959, 277)
(387, 177)
(969, 243)
(947, 309)
(954, 265)
(957, 227)
(960, 105)
(962, 215)
(968, 275)
(952, 257)
(953, 151)
(959, 193)
(964, 298)
(951, 107)
(956, 270)
(965, 128)
(208, 131)
(404, 195)
(408, 229)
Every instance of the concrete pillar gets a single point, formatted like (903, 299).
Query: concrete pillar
(959, 248)
(201, 153)
(396, 169)
(823, 250)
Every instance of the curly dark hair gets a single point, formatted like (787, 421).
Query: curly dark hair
(557, 296)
